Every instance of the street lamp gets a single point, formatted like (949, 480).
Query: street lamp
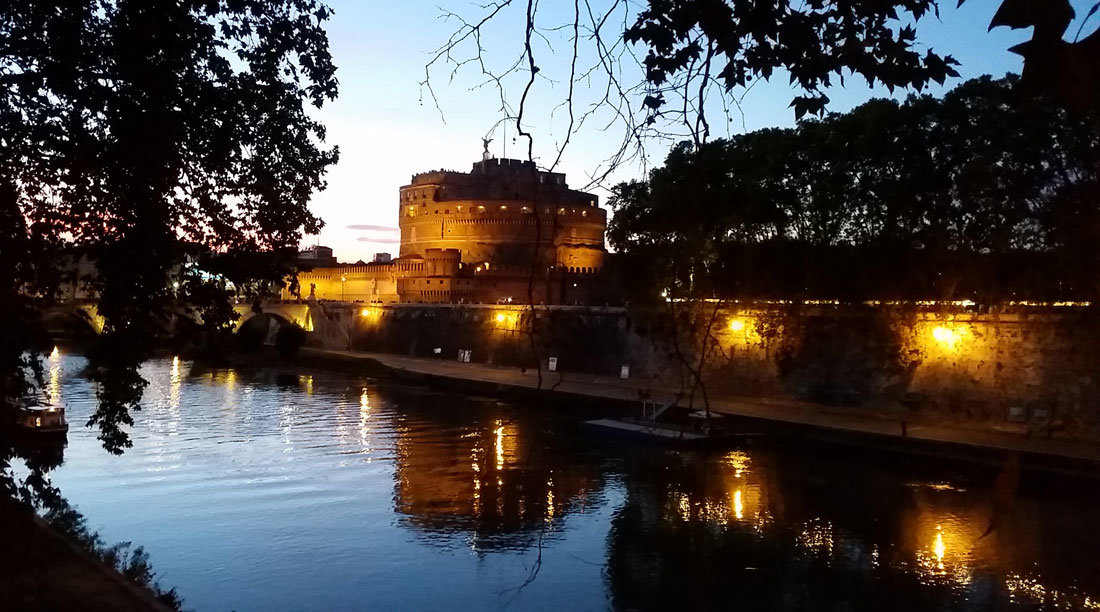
(343, 279)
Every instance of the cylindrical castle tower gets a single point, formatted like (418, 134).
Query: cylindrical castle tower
(503, 215)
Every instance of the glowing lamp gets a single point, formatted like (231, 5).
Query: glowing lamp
(365, 312)
(947, 336)
(500, 318)
(737, 325)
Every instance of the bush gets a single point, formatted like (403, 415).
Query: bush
(839, 360)
(250, 337)
(289, 340)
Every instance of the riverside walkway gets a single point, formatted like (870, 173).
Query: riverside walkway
(877, 425)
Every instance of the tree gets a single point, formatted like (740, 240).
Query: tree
(137, 133)
(969, 196)
(656, 67)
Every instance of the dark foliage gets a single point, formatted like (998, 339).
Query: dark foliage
(814, 42)
(972, 196)
(818, 43)
(145, 135)
(839, 360)
(289, 340)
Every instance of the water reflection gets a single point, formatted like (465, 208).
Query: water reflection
(486, 478)
(789, 533)
(174, 385)
(311, 469)
(54, 388)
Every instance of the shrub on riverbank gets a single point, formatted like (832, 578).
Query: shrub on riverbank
(289, 340)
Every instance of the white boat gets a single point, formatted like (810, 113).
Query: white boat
(41, 419)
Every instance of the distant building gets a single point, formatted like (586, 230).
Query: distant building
(382, 258)
(317, 257)
(480, 237)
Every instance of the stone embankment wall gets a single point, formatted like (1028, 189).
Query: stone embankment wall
(1025, 367)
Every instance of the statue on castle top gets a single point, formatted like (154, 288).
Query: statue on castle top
(485, 155)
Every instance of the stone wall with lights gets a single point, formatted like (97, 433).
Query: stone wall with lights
(590, 340)
(1034, 368)
(1028, 368)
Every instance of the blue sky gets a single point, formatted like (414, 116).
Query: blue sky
(388, 128)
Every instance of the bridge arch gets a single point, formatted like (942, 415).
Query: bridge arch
(284, 314)
(72, 319)
(69, 323)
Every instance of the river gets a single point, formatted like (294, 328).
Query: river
(269, 489)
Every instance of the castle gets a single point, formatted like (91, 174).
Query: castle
(504, 232)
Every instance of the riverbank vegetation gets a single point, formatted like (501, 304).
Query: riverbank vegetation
(978, 195)
(63, 563)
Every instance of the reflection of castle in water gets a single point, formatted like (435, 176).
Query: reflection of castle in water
(491, 479)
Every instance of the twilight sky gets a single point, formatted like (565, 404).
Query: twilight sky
(388, 128)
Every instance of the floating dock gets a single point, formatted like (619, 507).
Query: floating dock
(647, 431)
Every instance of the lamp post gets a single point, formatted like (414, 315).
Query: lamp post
(343, 279)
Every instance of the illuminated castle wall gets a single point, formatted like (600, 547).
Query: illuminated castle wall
(489, 216)
(479, 237)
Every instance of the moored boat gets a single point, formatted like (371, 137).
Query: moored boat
(48, 419)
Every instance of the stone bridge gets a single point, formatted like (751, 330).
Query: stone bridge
(328, 323)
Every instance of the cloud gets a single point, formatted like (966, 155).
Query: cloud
(372, 228)
(379, 240)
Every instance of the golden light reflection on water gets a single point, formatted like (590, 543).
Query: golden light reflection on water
(739, 461)
(1031, 590)
(227, 379)
(943, 532)
(364, 423)
(733, 494)
(174, 382)
(549, 499)
(476, 469)
(816, 535)
(55, 375)
(938, 531)
(939, 547)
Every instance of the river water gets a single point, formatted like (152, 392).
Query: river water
(314, 490)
